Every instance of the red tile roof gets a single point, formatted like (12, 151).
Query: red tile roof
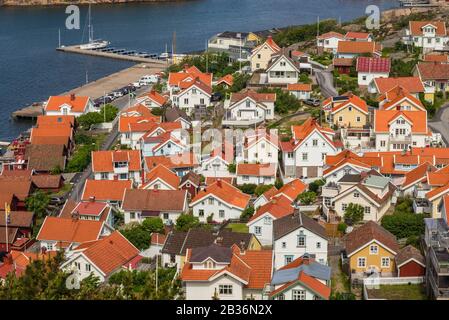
(342, 62)
(106, 190)
(356, 35)
(410, 84)
(226, 193)
(163, 173)
(155, 97)
(358, 47)
(436, 57)
(185, 160)
(187, 75)
(416, 27)
(375, 65)
(396, 96)
(91, 208)
(110, 253)
(417, 174)
(331, 34)
(228, 79)
(103, 161)
(299, 87)
(433, 71)
(292, 189)
(256, 169)
(383, 118)
(69, 230)
(354, 101)
(77, 104)
(278, 207)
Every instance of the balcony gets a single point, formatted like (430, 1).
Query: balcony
(406, 139)
(420, 191)
(330, 190)
(241, 122)
(421, 205)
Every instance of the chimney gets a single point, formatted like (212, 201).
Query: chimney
(92, 199)
(219, 182)
(290, 54)
(72, 97)
(306, 259)
(242, 247)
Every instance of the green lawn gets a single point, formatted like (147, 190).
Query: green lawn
(399, 292)
(66, 188)
(238, 227)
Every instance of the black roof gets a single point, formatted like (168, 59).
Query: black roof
(213, 251)
(294, 221)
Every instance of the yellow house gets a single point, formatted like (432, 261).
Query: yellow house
(253, 37)
(350, 113)
(435, 196)
(371, 249)
(261, 55)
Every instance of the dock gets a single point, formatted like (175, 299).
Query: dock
(112, 55)
(416, 3)
(97, 88)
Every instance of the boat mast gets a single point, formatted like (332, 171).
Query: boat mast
(90, 26)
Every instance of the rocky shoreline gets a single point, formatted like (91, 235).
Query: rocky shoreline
(24, 3)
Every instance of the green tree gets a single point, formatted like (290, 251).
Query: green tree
(354, 213)
(153, 225)
(138, 236)
(278, 183)
(247, 214)
(107, 113)
(186, 221)
(315, 185)
(307, 198)
(404, 225)
(262, 188)
(38, 203)
(248, 188)
(157, 111)
(232, 167)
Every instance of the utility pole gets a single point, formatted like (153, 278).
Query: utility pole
(317, 26)
(157, 261)
(207, 58)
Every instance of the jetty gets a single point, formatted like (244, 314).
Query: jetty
(416, 3)
(120, 54)
(97, 88)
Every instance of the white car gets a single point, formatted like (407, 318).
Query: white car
(149, 79)
(117, 94)
(137, 84)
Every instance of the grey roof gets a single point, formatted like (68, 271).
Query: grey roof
(313, 269)
(171, 114)
(213, 251)
(178, 242)
(355, 178)
(192, 177)
(294, 221)
(377, 181)
(233, 35)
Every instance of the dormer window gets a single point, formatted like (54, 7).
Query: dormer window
(209, 265)
(248, 103)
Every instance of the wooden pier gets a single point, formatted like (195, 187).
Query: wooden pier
(111, 55)
(416, 3)
(30, 112)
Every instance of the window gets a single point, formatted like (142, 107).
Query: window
(288, 259)
(172, 258)
(132, 215)
(258, 64)
(367, 210)
(104, 176)
(323, 156)
(298, 294)
(363, 78)
(315, 142)
(385, 262)
(194, 91)
(282, 63)
(318, 245)
(245, 178)
(202, 101)
(258, 230)
(281, 297)
(284, 245)
(290, 155)
(166, 216)
(221, 213)
(344, 206)
(258, 56)
(201, 213)
(88, 267)
(248, 103)
(225, 289)
(305, 156)
(301, 240)
(358, 119)
(361, 262)
(186, 101)
(123, 176)
(340, 118)
(356, 195)
(373, 249)
(267, 220)
(269, 155)
(211, 200)
(382, 143)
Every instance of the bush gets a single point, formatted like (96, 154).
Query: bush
(262, 188)
(107, 114)
(157, 112)
(38, 203)
(285, 102)
(404, 225)
(342, 227)
(279, 183)
(186, 221)
(248, 188)
(232, 167)
(307, 198)
(354, 213)
(138, 236)
(247, 214)
(210, 218)
(315, 185)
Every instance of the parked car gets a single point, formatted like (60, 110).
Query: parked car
(313, 102)
(149, 79)
(117, 93)
(105, 99)
(137, 84)
(131, 88)
(57, 200)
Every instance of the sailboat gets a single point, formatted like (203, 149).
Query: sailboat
(93, 44)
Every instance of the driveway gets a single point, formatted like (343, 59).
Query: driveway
(440, 122)
(326, 83)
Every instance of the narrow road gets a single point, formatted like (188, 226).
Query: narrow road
(440, 122)
(81, 177)
(326, 83)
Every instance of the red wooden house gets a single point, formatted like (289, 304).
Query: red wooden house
(410, 262)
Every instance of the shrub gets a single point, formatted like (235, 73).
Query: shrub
(404, 225)
(248, 188)
(278, 184)
(307, 198)
(354, 213)
(186, 221)
(261, 189)
(247, 214)
(315, 185)
(232, 167)
(342, 227)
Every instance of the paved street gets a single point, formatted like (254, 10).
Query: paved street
(81, 177)
(326, 83)
(440, 122)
